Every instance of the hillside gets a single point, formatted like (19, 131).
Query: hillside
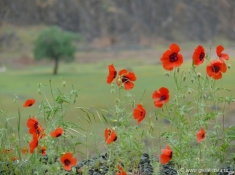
(129, 21)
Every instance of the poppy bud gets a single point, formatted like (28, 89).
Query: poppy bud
(117, 100)
(199, 74)
(39, 91)
(64, 83)
(192, 80)
(189, 92)
(229, 66)
(183, 96)
(114, 120)
(167, 74)
(175, 99)
(184, 78)
(112, 91)
(178, 70)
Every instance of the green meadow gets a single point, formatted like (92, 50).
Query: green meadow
(90, 80)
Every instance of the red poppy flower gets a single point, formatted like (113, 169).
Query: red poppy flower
(171, 58)
(201, 135)
(126, 79)
(215, 68)
(222, 56)
(42, 150)
(110, 135)
(24, 150)
(57, 132)
(68, 161)
(198, 55)
(34, 143)
(35, 127)
(161, 96)
(139, 113)
(32, 124)
(112, 74)
(121, 171)
(166, 155)
(29, 102)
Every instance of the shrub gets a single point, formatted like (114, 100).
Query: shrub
(55, 44)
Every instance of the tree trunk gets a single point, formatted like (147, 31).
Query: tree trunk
(56, 65)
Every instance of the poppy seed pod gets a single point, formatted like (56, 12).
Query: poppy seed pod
(63, 83)
(199, 74)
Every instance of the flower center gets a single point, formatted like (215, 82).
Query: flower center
(115, 139)
(203, 135)
(124, 79)
(162, 98)
(173, 57)
(171, 155)
(201, 56)
(58, 135)
(215, 68)
(36, 125)
(67, 162)
(115, 74)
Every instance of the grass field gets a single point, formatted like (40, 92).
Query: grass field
(90, 78)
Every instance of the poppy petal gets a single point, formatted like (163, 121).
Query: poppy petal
(131, 76)
(122, 72)
(224, 56)
(31, 122)
(139, 113)
(163, 90)
(174, 48)
(219, 49)
(68, 167)
(223, 67)
(128, 85)
(164, 159)
(107, 132)
(156, 95)
(112, 73)
(166, 155)
(158, 103)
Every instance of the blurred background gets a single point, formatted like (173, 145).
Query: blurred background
(131, 34)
